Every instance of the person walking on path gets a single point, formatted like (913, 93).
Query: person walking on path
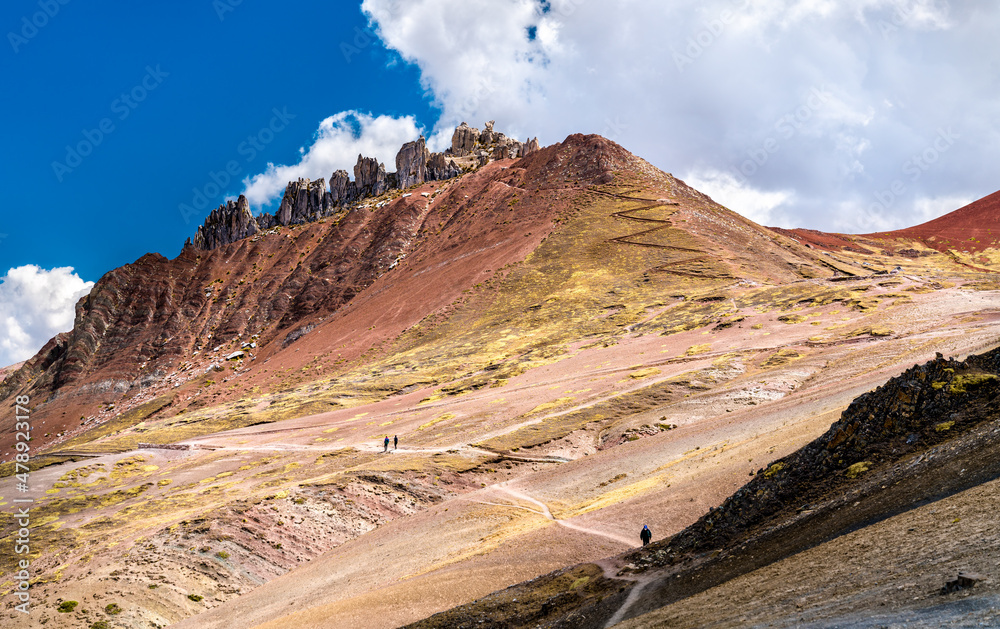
(645, 535)
(386, 444)
(395, 442)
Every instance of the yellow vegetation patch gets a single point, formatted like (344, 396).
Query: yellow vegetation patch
(698, 349)
(773, 469)
(794, 318)
(644, 373)
(869, 331)
(613, 497)
(547, 406)
(964, 382)
(781, 357)
(857, 469)
(437, 420)
(943, 426)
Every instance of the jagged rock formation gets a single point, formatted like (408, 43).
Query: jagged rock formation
(369, 176)
(440, 167)
(229, 222)
(307, 200)
(529, 147)
(411, 163)
(303, 201)
(464, 139)
(342, 189)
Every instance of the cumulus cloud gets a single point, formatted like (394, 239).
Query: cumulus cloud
(803, 112)
(336, 145)
(35, 305)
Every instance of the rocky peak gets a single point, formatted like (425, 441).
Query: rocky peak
(463, 140)
(227, 223)
(342, 189)
(440, 167)
(369, 177)
(307, 200)
(486, 137)
(303, 201)
(529, 147)
(411, 163)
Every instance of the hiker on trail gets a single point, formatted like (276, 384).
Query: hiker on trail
(395, 442)
(386, 449)
(645, 535)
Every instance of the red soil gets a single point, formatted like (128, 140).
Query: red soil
(972, 228)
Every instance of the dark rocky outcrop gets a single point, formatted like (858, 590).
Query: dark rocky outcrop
(227, 223)
(925, 405)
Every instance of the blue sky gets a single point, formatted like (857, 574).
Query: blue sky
(216, 76)
(840, 115)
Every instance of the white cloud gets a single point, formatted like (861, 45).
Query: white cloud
(725, 189)
(35, 305)
(699, 87)
(927, 209)
(337, 144)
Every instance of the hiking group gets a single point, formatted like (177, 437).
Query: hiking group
(395, 443)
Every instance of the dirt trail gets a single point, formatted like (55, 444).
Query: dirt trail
(610, 566)
(631, 239)
(565, 523)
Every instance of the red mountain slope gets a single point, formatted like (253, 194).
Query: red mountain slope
(972, 228)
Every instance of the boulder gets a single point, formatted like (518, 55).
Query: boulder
(529, 147)
(964, 580)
